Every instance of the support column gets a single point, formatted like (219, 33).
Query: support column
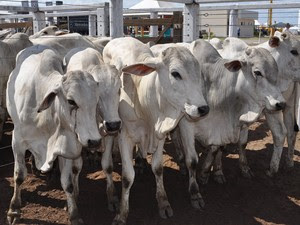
(92, 25)
(153, 29)
(190, 22)
(116, 18)
(233, 23)
(102, 21)
(39, 21)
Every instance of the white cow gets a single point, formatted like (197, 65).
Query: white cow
(108, 77)
(285, 49)
(54, 114)
(151, 106)
(9, 48)
(50, 30)
(237, 92)
(65, 43)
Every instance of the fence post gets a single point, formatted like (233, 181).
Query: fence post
(92, 25)
(190, 22)
(233, 23)
(102, 21)
(39, 19)
(116, 18)
(153, 29)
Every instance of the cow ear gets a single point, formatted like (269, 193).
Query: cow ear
(48, 100)
(233, 66)
(274, 42)
(139, 69)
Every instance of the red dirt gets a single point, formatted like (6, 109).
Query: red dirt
(261, 200)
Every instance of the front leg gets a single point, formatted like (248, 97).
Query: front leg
(107, 166)
(191, 160)
(126, 148)
(164, 207)
(289, 118)
(278, 129)
(70, 170)
(206, 167)
(218, 169)
(243, 162)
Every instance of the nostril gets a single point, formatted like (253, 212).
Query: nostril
(94, 143)
(203, 110)
(113, 126)
(280, 105)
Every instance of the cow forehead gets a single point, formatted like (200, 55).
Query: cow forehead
(179, 56)
(80, 84)
(264, 61)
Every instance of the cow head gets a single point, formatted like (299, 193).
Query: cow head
(77, 94)
(109, 87)
(285, 48)
(179, 82)
(257, 85)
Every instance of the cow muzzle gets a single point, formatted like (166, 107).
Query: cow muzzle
(193, 112)
(110, 128)
(93, 143)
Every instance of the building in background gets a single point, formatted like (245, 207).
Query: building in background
(217, 22)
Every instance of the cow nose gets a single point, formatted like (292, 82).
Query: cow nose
(94, 143)
(113, 126)
(203, 110)
(280, 105)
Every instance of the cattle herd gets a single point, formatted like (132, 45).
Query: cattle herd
(64, 92)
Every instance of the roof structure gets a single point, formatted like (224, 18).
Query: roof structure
(153, 4)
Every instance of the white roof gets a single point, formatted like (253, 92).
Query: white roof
(256, 23)
(153, 4)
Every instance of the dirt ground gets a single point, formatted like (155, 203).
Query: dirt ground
(261, 200)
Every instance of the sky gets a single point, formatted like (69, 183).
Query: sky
(279, 15)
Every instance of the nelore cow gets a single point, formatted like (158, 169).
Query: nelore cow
(237, 92)
(9, 48)
(108, 78)
(285, 49)
(151, 106)
(54, 114)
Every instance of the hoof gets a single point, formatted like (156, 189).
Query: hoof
(13, 217)
(166, 212)
(269, 173)
(114, 204)
(247, 173)
(197, 203)
(203, 178)
(77, 222)
(118, 221)
(220, 179)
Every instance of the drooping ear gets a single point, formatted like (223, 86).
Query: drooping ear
(233, 66)
(48, 100)
(274, 42)
(139, 69)
(285, 36)
(249, 117)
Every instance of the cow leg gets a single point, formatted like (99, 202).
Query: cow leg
(218, 169)
(277, 127)
(70, 170)
(206, 167)
(178, 146)
(126, 149)
(243, 162)
(164, 207)
(107, 166)
(289, 121)
(191, 160)
(3, 116)
(141, 165)
(20, 173)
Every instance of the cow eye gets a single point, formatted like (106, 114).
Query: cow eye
(176, 75)
(72, 103)
(258, 73)
(295, 52)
